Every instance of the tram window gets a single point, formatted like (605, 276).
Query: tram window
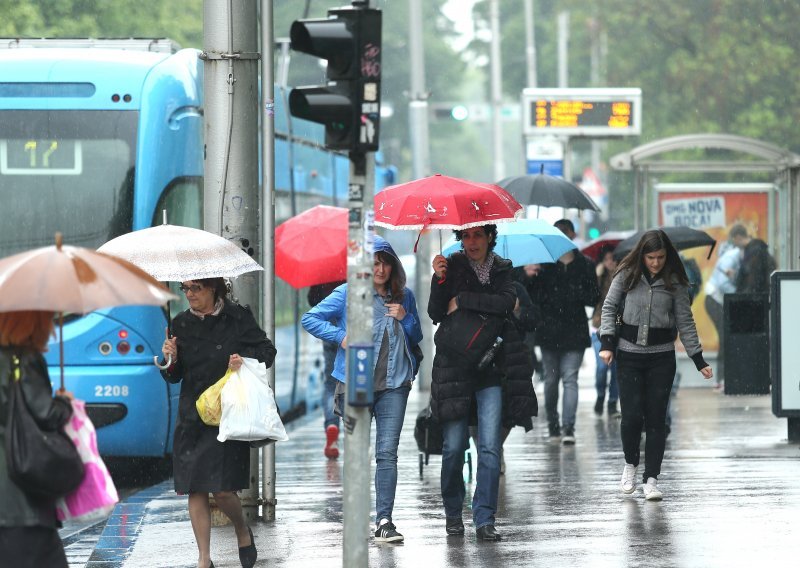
(183, 201)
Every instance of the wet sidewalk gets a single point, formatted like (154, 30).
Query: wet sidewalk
(730, 480)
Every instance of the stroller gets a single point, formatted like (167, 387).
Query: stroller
(428, 434)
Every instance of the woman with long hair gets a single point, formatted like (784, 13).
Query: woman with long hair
(209, 338)
(396, 331)
(652, 285)
(28, 525)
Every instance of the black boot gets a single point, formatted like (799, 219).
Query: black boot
(598, 407)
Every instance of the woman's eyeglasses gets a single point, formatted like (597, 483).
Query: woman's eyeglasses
(194, 288)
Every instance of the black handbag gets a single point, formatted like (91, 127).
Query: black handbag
(468, 334)
(618, 323)
(43, 464)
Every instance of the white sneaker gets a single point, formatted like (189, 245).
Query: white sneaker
(651, 491)
(628, 483)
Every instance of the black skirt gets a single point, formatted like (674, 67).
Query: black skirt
(201, 463)
(32, 547)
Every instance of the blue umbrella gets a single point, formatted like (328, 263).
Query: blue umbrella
(527, 241)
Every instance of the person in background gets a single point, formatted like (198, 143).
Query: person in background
(657, 309)
(28, 526)
(525, 275)
(722, 281)
(396, 330)
(316, 294)
(757, 264)
(605, 375)
(563, 290)
(211, 337)
(477, 279)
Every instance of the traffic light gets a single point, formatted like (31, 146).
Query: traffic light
(348, 105)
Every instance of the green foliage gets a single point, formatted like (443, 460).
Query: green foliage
(180, 20)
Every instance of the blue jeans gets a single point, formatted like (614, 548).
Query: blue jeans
(562, 365)
(487, 479)
(329, 349)
(601, 374)
(389, 411)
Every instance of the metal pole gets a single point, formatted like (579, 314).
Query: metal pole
(563, 47)
(356, 490)
(420, 167)
(530, 43)
(267, 111)
(230, 199)
(497, 92)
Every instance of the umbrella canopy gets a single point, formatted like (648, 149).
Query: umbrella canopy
(443, 202)
(311, 248)
(175, 253)
(609, 238)
(528, 241)
(682, 238)
(73, 279)
(547, 191)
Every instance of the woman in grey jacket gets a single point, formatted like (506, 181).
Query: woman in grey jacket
(652, 286)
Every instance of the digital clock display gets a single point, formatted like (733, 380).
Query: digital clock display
(582, 112)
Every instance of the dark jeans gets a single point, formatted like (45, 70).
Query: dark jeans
(645, 382)
(329, 349)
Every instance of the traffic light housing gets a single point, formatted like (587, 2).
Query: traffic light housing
(348, 105)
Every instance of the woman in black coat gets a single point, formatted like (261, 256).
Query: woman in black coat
(28, 526)
(479, 280)
(211, 336)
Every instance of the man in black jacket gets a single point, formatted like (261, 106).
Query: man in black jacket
(757, 263)
(563, 290)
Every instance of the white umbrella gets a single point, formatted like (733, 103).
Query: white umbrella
(74, 279)
(175, 253)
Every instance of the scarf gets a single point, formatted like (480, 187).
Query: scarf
(217, 309)
(482, 270)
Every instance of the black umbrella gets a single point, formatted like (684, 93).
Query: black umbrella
(547, 191)
(682, 238)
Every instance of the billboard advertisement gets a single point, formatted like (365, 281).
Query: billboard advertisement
(714, 208)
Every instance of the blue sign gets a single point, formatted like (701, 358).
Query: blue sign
(360, 363)
(551, 167)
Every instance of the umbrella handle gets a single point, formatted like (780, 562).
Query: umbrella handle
(167, 365)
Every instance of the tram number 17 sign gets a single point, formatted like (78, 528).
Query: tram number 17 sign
(593, 113)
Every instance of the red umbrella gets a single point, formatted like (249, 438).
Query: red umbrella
(609, 238)
(443, 202)
(311, 248)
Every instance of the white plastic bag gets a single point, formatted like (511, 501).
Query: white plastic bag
(249, 412)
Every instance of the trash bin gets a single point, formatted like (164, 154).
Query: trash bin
(745, 336)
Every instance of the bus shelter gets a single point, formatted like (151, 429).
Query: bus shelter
(746, 159)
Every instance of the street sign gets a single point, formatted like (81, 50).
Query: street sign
(594, 113)
(545, 156)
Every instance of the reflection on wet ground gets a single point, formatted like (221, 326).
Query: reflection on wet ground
(729, 479)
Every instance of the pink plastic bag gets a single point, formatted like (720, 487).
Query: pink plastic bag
(96, 495)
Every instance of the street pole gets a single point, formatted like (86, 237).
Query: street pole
(230, 198)
(360, 352)
(530, 43)
(267, 110)
(420, 167)
(497, 93)
(360, 347)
